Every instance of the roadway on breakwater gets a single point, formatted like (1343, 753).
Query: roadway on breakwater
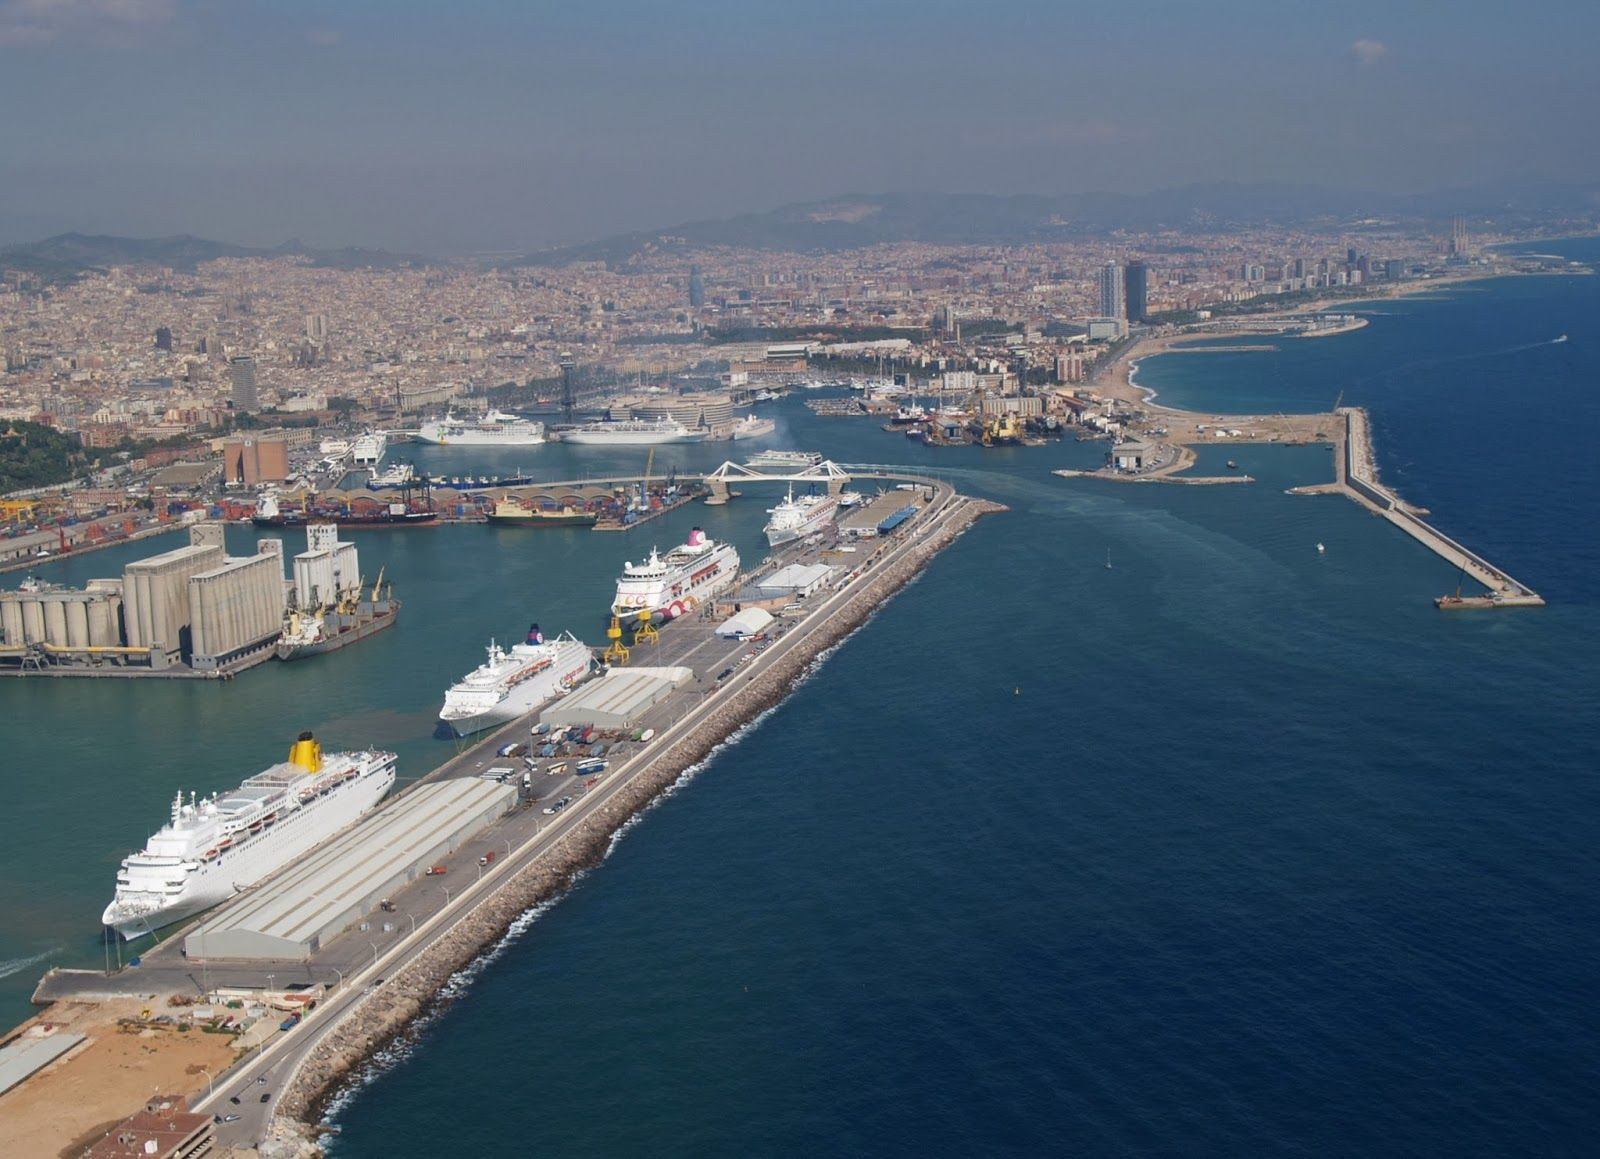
(1356, 476)
(386, 985)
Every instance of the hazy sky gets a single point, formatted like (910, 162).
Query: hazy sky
(476, 124)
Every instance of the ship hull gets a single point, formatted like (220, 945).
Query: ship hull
(630, 438)
(519, 700)
(564, 519)
(360, 628)
(410, 519)
(298, 833)
(469, 440)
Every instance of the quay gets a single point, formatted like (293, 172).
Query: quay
(374, 978)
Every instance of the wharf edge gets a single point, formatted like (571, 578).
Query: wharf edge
(383, 1013)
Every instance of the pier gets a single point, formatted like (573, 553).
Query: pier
(371, 982)
(1356, 475)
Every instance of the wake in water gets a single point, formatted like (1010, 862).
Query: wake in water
(17, 965)
(1450, 359)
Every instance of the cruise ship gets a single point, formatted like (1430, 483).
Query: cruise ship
(495, 429)
(633, 433)
(211, 849)
(513, 681)
(799, 459)
(678, 582)
(752, 427)
(797, 518)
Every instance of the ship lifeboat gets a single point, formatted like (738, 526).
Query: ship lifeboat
(255, 826)
(211, 853)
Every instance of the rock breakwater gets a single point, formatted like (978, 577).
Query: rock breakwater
(385, 1011)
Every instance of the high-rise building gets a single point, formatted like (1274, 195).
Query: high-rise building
(317, 327)
(697, 288)
(1299, 267)
(242, 370)
(1137, 278)
(1112, 302)
(569, 395)
(164, 339)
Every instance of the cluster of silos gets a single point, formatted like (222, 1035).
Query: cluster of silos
(155, 595)
(325, 568)
(237, 606)
(63, 619)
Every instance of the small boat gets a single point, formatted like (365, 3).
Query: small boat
(1321, 549)
(1232, 466)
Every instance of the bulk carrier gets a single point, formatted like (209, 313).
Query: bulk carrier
(211, 849)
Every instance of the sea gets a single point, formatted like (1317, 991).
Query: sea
(1135, 826)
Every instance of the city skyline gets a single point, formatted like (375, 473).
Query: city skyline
(485, 126)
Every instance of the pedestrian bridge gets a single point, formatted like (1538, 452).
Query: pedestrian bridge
(827, 472)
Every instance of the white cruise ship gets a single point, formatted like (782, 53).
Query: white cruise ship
(495, 429)
(633, 433)
(678, 582)
(212, 849)
(514, 681)
(367, 451)
(799, 459)
(752, 427)
(797, 518)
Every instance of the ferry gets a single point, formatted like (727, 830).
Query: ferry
(796, 459)
(368, 450)
(795, 519)
(678, 582)
(211, 849)
(632, 433)
(512, 682)
(494, 429)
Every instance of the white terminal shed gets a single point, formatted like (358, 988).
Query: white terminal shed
(618, 699)
(795, 579)
(745, 623)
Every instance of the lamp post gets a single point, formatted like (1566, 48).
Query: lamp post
(374, 946)
(339, 972)
(413, 918)
(446, 890)
(209, 1082)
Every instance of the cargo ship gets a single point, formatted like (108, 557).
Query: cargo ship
(351, 618)
(494, 429)
(211, 849)
(632, 433)
(404, 514)
(795, 519)
(512, 682)
(678, 582)
(514, 513)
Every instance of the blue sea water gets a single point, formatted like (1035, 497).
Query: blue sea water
(1233, 848)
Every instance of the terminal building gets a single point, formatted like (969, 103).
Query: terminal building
(618, 699)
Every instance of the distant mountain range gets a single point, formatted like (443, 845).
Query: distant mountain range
(68, 254)
(853, 221)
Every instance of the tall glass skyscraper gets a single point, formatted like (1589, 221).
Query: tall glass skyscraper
(1138, 278)
(1111, 291)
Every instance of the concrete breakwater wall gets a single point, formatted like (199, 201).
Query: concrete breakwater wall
(386, 1011)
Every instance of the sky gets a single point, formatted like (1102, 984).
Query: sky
(495, 125)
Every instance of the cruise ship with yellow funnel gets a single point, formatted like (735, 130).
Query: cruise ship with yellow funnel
(212, 848)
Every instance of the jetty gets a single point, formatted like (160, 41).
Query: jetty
(373, 979)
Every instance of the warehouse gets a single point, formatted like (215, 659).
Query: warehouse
(746, 623)
(797, 580)
(618, 699)
(293, 916)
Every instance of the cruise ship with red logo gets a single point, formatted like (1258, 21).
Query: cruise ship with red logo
(680, 581)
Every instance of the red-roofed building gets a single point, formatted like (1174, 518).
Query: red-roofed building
(164, 1129)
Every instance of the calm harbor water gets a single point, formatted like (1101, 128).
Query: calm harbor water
(1232, 848)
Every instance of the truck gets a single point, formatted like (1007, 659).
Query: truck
(487, 858)
(435, 870)
(386, 906)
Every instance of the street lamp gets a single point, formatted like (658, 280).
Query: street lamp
(413, 918)
(339, 972)
(209, 1082)
(374, 946)
(508, 847)
(270, 977)
(446, 890)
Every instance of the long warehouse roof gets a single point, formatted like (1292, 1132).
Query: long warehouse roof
(298, 909)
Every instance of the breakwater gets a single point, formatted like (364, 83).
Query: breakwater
(386, 1010)
(1357, 475)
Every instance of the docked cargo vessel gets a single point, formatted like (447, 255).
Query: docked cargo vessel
(514, 513)
(495, 429)
(678, 582)
(211, 849)
(797, 518)
(514, 681)
(633, 433)
(270, 514)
